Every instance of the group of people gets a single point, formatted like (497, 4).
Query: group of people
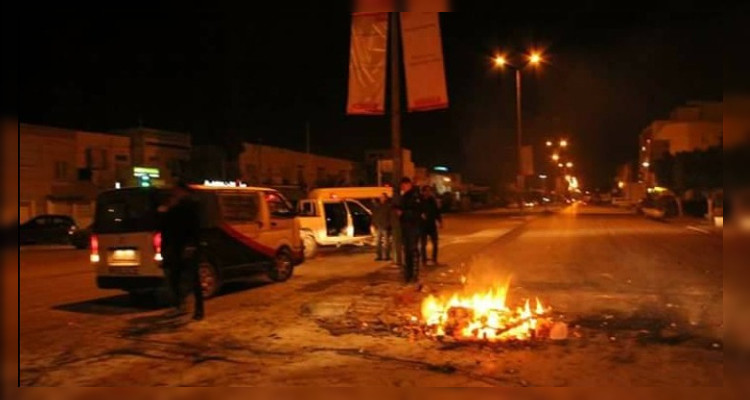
(418, 215)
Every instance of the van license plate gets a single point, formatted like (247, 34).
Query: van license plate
(123, 257)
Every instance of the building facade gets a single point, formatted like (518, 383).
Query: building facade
(737, 122)
(274, 166)
(379, 165)
(695, 126)
(168, 152)
(62, 170)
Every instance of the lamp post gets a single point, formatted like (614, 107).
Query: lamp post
(533, 58)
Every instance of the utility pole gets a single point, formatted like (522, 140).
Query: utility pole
(519, 134)
(398, 167)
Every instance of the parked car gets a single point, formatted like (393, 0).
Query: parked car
(51, 229)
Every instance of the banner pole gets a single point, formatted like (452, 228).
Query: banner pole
(398, 167)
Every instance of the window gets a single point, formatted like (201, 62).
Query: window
(61, 170)
(60, 221)
(239, 208)
(41, 221)
(96, 158)
(307, 208)
(128, 210)
(356, 210)
(278, 205)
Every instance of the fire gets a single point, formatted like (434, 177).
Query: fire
(484, 316)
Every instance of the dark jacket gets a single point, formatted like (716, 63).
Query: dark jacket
(430, 213)
(180, 226)
(382, 215)
(411, 209)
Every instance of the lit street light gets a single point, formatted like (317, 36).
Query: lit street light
(555, 157)
(563, 143)
(534, 58)
(569, 164)
(500, 61)
(549, 143)
(646, 164)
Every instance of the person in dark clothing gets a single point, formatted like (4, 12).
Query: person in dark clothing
(431, 221)
(381, 221)
(180, 230)
(409, 212)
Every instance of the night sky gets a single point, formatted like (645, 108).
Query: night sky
(264, 76)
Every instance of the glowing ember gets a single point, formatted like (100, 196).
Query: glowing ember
(484, 316)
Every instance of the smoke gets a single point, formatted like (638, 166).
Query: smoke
(485, 273)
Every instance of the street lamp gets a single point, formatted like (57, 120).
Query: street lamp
(563, 143)
(534, 58)
(555, 157)
(549, 143)
(569, 164)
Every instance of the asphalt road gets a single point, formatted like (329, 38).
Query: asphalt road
(643, 300)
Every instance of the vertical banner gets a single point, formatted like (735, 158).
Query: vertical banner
(367, 60)
(527, 161)
(423, 61)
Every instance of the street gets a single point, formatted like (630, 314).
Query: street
(642, 299)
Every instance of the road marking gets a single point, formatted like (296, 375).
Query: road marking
(701, 230)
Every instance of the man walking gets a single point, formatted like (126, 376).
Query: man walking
(381, 221)
(409, 212)
(431, 221)
(180, 229)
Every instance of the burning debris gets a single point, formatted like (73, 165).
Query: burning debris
(486, 317)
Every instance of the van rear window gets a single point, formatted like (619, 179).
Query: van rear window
(128, 210)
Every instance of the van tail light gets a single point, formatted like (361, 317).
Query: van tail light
(94, 246)
(157, 247)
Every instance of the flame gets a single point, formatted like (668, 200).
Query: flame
(482, 316)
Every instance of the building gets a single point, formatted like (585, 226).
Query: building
(379, 165)
(208, 162)
(164, 152)
(695, 126)
(440, 178)
(62, 170)
(274, 166)
(737, 122)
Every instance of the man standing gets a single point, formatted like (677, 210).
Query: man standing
(409, 212)
(180, 229)
(431, 221)
(381, 221)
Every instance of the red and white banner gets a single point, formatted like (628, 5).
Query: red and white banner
(367, 62)
(423, 61)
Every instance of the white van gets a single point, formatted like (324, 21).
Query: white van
(338, 216)
(245, 232)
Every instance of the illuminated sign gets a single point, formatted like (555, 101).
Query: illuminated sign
(441, 169)
(230, 184)
(145, 171)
